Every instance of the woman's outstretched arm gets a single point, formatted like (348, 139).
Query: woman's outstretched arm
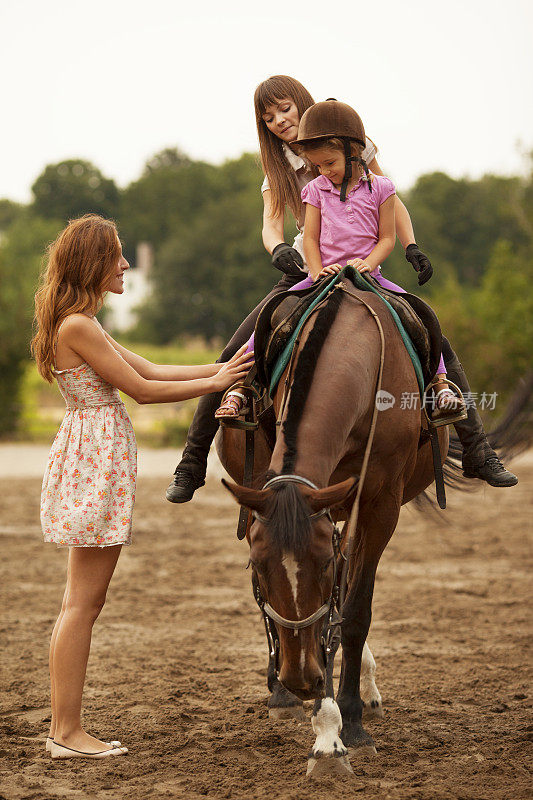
(272, 225)
(404, 225)
(86, 338)
(162, 372)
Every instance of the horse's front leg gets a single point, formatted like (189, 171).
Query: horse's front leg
(372, 704)
(374, 530)
(328, 753)
(356, 622)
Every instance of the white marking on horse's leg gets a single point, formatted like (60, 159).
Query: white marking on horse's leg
(328, 753)
(369, 691)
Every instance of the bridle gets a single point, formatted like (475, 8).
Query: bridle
(328, 609)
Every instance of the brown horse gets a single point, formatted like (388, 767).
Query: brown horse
(326, 419)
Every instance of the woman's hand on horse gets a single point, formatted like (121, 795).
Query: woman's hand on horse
(233, 370)
(332, 269)
(359, 265)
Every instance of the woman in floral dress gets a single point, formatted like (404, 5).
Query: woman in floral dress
(89, 484)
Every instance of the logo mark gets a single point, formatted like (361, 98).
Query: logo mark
(384, 400)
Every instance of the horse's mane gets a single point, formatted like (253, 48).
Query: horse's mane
(303, 376)
(288, 516)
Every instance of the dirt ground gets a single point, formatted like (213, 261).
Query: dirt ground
(177, 668)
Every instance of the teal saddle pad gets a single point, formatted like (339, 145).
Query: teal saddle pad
(360, 282)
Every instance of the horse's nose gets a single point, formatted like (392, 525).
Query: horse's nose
(307, 685)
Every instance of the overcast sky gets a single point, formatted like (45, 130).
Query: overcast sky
(440, 84)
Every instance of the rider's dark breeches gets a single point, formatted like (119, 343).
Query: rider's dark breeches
(204, 425)
(470, 431)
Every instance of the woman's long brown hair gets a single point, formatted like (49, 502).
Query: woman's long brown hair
(79, 265)
(280, 175)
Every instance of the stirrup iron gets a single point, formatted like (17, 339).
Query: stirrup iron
(446, 420)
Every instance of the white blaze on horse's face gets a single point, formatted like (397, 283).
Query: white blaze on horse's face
(291, 568)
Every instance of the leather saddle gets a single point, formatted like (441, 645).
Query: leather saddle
(280, 316)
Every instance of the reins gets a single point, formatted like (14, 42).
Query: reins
(354, 514)
(339, 591)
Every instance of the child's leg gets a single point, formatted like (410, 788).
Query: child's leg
(393, 287)
(446, 402)
(234, 402)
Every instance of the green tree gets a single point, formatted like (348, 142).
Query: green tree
(9, 212)
(169, 195)
(504, 306)
(458, 221)
(209, 275)
(21, 251)
(71, 188)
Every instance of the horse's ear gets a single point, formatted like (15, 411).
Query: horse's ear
(330, 496)
(254, 499)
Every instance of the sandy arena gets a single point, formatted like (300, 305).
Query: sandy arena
(177, 668)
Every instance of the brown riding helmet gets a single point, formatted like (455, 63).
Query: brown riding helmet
(331, 118)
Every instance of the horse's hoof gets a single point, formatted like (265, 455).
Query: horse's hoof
(317, 767)
(373, 710)
(329, 755)
(288, 712)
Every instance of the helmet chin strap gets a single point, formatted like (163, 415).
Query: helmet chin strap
(348, 158)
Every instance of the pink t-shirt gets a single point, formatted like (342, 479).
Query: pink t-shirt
(349, 229)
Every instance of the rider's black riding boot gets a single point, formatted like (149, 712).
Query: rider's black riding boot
(190, 472)
(479, 459)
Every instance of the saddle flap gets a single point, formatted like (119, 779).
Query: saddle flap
(276, 323)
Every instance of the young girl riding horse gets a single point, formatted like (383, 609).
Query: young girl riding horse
(349, 220)
(280, 103)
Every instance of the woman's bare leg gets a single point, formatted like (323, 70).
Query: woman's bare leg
(89, 571)
(51, 664)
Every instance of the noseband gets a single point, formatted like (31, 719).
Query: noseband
(328, 607)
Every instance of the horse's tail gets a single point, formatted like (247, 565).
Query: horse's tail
(512, 436)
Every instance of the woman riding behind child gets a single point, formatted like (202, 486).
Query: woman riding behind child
(280, 102)
(349, 219)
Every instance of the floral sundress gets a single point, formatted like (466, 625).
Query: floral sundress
(89, 485)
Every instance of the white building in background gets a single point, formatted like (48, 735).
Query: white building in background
(121, 309)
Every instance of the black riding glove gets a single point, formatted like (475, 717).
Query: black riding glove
(420, 262)
(288, 260)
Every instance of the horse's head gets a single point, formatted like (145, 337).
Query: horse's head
(292, 551)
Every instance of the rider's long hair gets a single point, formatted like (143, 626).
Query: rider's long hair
(78, 268)
(280, 174)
